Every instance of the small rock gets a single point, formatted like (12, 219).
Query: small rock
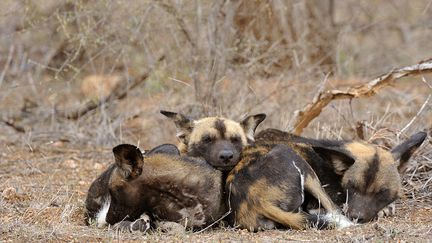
(9, 193)
(58, 144)
(99, 86)
(70, 163)
(81, 183)
(54, 204)
(98, 166)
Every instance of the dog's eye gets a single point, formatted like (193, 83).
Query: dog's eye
(182, 136)
(207, 139)
(384, 192)
(235, 139)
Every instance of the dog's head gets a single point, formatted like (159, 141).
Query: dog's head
(370, 174)
(218, 140)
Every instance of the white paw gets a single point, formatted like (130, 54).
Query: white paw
(339, 220)
(389, 210)
(142, 224)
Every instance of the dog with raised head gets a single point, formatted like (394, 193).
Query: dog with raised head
(163, 186)
(361, 175)
(265, 185)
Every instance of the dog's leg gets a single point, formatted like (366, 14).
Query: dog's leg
(334, 215)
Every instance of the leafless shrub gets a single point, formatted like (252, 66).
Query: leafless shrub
(286, 35)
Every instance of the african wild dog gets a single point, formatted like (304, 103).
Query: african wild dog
(167, 186)
(363, 175)
(268, 188)
(218, 140)
(264, 185)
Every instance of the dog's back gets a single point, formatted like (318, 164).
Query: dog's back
(268, 187)
(363, 175)
(166, 185)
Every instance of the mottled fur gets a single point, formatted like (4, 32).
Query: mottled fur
(361, 174)
(266, 188)
(167, 186)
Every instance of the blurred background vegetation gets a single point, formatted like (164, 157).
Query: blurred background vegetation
(202, 57)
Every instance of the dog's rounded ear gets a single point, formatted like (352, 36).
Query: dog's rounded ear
(183, 124)
(340, 159)
(403, 152)
(250, 123)
(129, 160)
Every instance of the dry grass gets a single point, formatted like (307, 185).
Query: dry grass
(214, 64)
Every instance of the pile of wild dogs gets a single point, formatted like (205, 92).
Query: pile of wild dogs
(222, 170)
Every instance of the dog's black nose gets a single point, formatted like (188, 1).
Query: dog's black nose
(226, 155)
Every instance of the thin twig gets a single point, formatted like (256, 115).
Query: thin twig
(117, 94)
(415, 117)
(426, 82)
(8, 61)
(180, 81)
(427, 182)
(12, 124)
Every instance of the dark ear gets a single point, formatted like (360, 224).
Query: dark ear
(340, 159)
(183, 124)
(250, 123)
(129, 160)
(402, 153)
(169, 149)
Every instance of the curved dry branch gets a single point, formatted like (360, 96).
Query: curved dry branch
(303, 117)
(119, 93)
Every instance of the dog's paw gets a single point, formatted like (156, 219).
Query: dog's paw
(338, 220)
(389, 210)
(140, 225)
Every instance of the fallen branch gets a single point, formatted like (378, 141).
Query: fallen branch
(119, 93)
(13, 125)
(303, 117)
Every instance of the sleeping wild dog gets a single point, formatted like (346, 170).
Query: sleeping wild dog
(362, 175)
(264, 185)
(163, 185)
